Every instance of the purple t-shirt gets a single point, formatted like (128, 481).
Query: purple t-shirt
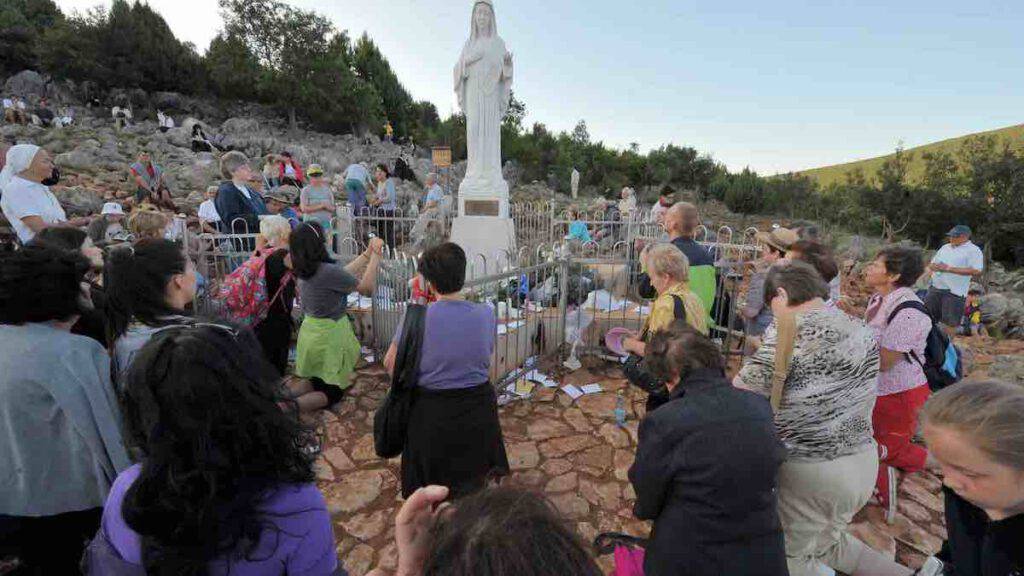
(458, 342)
(303, 543)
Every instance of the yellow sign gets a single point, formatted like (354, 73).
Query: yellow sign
(442, 156)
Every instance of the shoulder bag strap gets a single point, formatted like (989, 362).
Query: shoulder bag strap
(679, 310)
(786, 327)
(910, 305)
(409, 348)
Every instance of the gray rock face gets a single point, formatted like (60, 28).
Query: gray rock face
(167, 101)
(1009, 368)
(78, 201)
(26, 82)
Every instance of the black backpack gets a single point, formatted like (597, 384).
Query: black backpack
(942, 362)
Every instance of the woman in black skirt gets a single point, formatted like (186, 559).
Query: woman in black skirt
(454, 436)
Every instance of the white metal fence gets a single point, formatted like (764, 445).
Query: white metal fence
(546, 296)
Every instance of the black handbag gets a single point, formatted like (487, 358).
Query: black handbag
(391, 421)
(635, 371)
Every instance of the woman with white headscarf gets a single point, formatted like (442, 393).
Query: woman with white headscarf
(26, 199)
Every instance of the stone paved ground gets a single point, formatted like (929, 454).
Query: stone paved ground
(571, 451)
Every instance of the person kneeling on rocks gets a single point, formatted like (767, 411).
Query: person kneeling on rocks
(706, 467)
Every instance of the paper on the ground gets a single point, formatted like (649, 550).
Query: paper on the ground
(505, 328)
(358, 301)
(572, 391)
(604, 301)
(541, 379)
(523, 387)
(592, 389)
(370, 359)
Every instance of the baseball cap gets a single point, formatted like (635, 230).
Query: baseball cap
(112, 208)
(283, 194)
(315, 170)
(779, 238)
(959, 230)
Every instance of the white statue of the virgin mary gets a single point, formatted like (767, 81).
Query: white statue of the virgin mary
(483, 83)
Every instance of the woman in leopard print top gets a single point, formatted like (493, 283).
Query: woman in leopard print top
(824, 419)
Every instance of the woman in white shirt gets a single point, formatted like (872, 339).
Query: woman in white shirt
(208, 216)
(27, 202)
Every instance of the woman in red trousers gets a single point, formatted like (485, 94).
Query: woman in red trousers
(902, 385)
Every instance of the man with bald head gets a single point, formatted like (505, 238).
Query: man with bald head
(681, 222)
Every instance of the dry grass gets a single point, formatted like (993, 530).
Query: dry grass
(1014, 135)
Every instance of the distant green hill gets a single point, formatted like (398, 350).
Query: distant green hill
(837, 173)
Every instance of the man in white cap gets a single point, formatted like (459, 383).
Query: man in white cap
(951, 271)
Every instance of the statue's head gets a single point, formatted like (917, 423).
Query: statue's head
(483, 19)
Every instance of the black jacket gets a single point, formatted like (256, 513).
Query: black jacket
(232, 206)
(978, 546)
(706, 470)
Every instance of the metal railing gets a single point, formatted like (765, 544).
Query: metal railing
(564, 296)
(546, 296)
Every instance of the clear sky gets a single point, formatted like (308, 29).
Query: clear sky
(776, 86)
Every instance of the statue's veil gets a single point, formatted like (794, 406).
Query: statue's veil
(473, 36)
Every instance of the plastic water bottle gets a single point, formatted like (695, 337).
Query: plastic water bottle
(620, 409)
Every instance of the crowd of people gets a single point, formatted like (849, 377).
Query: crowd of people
(144, 439)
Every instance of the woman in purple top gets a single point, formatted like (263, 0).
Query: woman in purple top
(454, 437)
(225, 485)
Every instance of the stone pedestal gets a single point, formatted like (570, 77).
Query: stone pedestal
(486, 240)
(483, 227)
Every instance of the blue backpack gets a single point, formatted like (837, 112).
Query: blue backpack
(942, 363)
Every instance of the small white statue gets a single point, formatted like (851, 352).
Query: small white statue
(574, 183)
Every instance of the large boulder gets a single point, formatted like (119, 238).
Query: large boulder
(167, 101)
(994, 307)
(91, 155)
(62, 92)
(203, 171)
(78, 201)
(25, 83)
(240, 127)
(81, 158)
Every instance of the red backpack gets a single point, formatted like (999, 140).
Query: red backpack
(243, 293)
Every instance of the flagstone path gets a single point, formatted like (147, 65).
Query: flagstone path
(571, 451)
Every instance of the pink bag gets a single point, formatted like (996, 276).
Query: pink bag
(629, 561)
(628, 552)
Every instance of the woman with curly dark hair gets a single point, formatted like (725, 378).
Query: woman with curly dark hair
(225, 486)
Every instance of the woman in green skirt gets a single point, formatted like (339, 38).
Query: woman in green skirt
(328, 348)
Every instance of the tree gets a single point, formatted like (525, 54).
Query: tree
(233, 68)
(305, 63)
(22, 23)
(745, 193)
(371, 65)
